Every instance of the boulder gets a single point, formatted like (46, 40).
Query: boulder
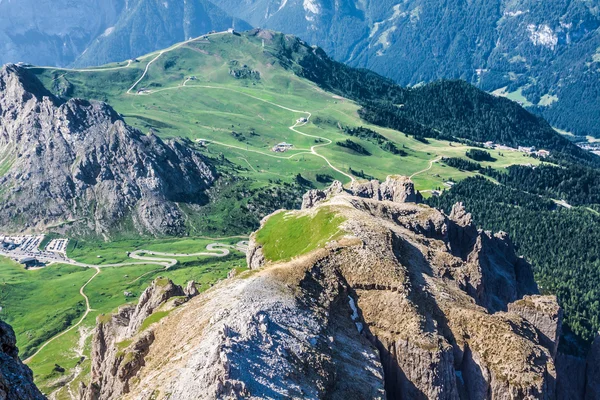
(16, 379)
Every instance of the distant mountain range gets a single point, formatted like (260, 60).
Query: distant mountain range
(546, 55)
(148, 25)
(95, 32)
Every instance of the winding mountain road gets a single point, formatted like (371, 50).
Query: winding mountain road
(300, 122)
(213, 250)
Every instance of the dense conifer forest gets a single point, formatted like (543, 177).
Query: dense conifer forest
(563, 245)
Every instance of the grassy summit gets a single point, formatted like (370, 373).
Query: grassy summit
(286, 235)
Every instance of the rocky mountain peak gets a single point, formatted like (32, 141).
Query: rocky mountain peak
(78, 163)
(17, 85)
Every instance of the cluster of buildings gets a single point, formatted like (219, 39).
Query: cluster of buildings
(527, 150)
(26, 250)
(282, 147)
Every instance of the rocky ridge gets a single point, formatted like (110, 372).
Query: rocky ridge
(78, 163)
(121, 341)
(408, 303)
(16, 379)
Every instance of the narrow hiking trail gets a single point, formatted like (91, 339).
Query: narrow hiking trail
(129, 62)
(88, 309)
(213, 250)
(435, 160)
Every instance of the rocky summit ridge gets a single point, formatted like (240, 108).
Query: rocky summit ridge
(77, 164)
(403, 301)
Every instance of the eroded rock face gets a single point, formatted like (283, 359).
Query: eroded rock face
(79, 162)
(120, 345)
(16, 379)
(368, 190)
(398, 189)
(387, 311)
(545, 315)
(315, 196)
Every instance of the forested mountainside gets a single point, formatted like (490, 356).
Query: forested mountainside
(52, 32)
(546, 51)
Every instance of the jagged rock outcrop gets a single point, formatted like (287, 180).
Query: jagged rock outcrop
(77, 162)
(545, 315)
(369, 190)
(191, 290)
(121, 341)
(16, 379)
(399, 189)
(316, 196)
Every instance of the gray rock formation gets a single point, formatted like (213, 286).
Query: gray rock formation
(398, 189)
(368, 190)
(315, 196)
(191, 290)
(16, 379)
(78, 163)
(545, 315)
(121, 341)
(387, 311)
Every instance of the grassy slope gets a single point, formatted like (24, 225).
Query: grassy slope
(286, 235)
(40, 303)
(231, 104)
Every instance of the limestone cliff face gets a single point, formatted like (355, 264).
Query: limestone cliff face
(409, 303)
(121, 341)
(78, 162)
(16, 379)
